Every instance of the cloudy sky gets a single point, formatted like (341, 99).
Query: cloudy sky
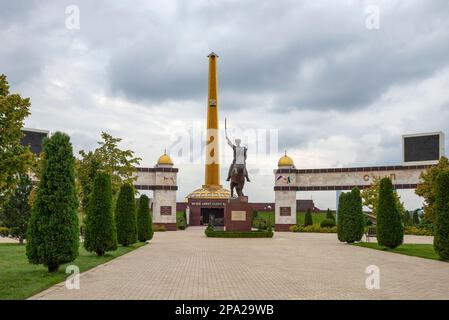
(335, 87)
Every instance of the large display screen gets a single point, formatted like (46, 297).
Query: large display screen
(33, 139)
(422, 148)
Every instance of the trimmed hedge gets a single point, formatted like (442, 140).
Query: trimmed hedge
(327, 223)
(417, 231)
(53, 230)
(313, 229)
(238, 234)
(144, 220)
(308, 221)
(441, 239)
(100, 231)
(125, 216)
(351, 221)
(390, 232)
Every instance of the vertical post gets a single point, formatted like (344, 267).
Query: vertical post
(337, 201)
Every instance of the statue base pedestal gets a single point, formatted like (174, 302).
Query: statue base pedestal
(238, 214)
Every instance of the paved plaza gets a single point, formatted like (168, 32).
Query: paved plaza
(187, 265)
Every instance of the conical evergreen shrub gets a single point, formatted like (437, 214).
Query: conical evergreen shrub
(441, 239)
(415, 218)
(342, 212)
(390, 231)
(101, 233)
(351, 221)
(144, 220)
(308, 221)
(329, 214)
(53, 232)
(125, 216)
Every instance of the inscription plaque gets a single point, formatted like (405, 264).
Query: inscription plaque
(238, 215)
(285, 211)
(165, 210)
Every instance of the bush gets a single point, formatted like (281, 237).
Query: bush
(238, 234)
(313, 229)
(4, 232)
(417, 231)
(261, 223)
(159, 228)
(390, 232)
(17, 210)
(53, 231)
(308, 221)
(327, 223)
(125, 215)
(351, 219)
(441, 239)
(415, 218)
(144, 220)
(330, 215)
(100, 231)
(181, 221)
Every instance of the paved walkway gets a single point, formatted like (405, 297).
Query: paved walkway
(187, 265)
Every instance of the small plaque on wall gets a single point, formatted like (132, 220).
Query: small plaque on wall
(165, 210)
(285, 211)
(238, 215)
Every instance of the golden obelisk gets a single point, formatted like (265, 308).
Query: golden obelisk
(212, 188)
(212, 168)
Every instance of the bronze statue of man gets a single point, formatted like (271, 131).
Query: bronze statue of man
(239, 158)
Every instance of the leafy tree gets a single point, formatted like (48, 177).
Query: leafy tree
(390, 231)
(353, 222)
(53, 233)
(370, 197)
(17, 211)
(125, 216)
(14, 158)
(441, 238)
(329, 214)
(100, 234)
(407, 218)
(144, 220)
(426, 188)
(415, 221)
(308, 221)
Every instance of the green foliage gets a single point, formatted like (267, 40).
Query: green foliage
(390, 231)
(14, 158)
(261, 223)
(17, 211)
(181, 220)
(313, 229)
(415, 220)
(418, 231)
(144, 220)
(4, 232)
(327, 223)
(308, 221)
(426, 188)
(351, 221)
(53, 233)
(441, 239)
(407, 218)
(108, 157)
(330, 215)
(238, 234)
(100, 231)
(370, 197)
(125, 216)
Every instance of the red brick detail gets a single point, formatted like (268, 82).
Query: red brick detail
(165, 210)
(282, 227)
(285, 211)
(168, 226)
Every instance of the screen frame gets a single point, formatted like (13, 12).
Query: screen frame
(424, 162)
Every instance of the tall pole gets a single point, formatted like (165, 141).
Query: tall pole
(212, 169)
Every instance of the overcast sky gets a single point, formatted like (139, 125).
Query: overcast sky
(337, 90)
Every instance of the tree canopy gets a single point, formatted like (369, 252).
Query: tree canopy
(370, 197)
(14, 158)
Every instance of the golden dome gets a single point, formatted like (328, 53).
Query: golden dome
(210, 193)
(165, 159)
(285, 161)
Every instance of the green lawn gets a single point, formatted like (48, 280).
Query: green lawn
(417, 250)
(20, 279)
(316, 217)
